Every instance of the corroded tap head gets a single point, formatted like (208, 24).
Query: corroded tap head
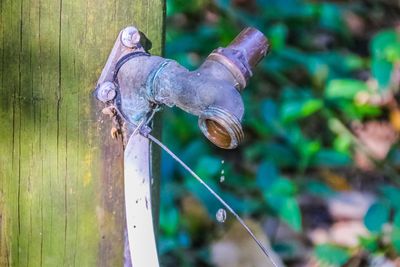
(134, 82)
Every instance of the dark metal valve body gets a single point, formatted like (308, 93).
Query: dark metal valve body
(212, 92)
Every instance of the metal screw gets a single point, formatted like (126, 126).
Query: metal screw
(106, 91)
(130, 37)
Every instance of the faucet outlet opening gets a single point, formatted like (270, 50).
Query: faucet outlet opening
(217, 134)
(221, 128)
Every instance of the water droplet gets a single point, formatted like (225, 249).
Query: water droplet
(222, 179)
(221, 215)
(222, 171)
(222, 161)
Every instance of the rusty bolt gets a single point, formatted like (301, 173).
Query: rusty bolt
(110, 111)
(130, 37)
(106, 91)
(114, 132)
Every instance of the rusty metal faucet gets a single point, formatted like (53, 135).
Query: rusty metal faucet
(134, 84)
(138, 82)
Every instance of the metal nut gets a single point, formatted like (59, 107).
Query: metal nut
(130, 37)
(106, 91)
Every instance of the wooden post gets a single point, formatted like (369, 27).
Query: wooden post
(61, 184)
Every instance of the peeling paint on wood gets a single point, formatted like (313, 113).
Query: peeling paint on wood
(60, 202)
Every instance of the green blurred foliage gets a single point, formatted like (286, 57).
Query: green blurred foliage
(299, 107)
(331, 255)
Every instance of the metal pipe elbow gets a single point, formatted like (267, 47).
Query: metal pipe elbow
(208, 93)
(213, 91)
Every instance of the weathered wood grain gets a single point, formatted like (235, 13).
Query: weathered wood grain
(61, 203)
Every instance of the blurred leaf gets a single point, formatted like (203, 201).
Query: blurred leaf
(385, 47)
(319, 189)
(226, 32)
(392, 194)
(280, 197)
(223, 4)
(294, 110)
(331, 17)
(342, 144)
(331, 254)
(191, 154)
(308, 149)
(255, 152)
(394, 156)
(280, 154)
(290, 213)
(198, 40)
(376, 216)
(170, 221)
(354, 111)
(277, 35)
(350, 62)
(392, 52)
(267, 175)
(382, 71)
(289, 9)
(330, 158)
(369, 243)
(295, 56)
(269, 111)
(166, 244)
(396, 220)
(295, 138)
(344, 88)
(178, 127)
(287, 209)
(287, 248)
(382, 40)
(365, 110)
(184, 239)
(176, 6)
(282, 186)
(208, 167)
(396, 240)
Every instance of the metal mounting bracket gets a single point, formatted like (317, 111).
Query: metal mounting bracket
(137, 154)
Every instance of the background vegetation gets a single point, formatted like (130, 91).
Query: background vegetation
(318, 171)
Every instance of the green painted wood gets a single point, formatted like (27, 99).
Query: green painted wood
(61, 203)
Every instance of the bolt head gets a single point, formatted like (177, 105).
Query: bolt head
(130, 37)
(106, 91)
